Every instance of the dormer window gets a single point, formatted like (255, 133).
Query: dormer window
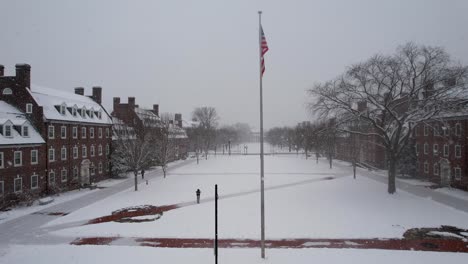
(83, 112)
(25, 131)
(91, 113)
(63, 109)
(7, 91)
(99, 114)
(29, 108)
(74, 110)
(8, 129)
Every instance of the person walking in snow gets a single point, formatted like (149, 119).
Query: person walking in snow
(142, 173)
(198, 192)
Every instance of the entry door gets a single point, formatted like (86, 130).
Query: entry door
(445, 176)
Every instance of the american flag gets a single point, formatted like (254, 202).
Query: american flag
(264, 49)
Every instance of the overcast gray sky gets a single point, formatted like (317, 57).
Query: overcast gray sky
(183, 54)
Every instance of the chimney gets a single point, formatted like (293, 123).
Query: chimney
(178, 120)
(116, 102)
(79, 90)
(23, 74)
(97, 94)
(156, 109)
(131, 102)
(2, 70)
(362, 106)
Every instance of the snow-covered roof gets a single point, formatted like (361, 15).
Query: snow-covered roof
(177, 132)
(120, 129)
(10, 115)
(148, 117)
(77, 108)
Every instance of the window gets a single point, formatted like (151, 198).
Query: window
(63, 153)
(107, 149)
(29, 108)
(426, 130)
(83, 112)
(84, 150)
(75, 152)
(91, 132)
(25, 130)
(75, 172)
(91, 113)
(107, 132)
(63, 132)
(100, 132)
(18, 184)
(100, 150)
(51, 177)
(458, 129)
(457, 151)
(7, 91)
(436, 168)
(91, 151)
(34, 181)
(83, 132)
(436, 130)
(426, 167)
(18, 158)
(457, 173)
(63, 109)
(100, 167)
(74, 110)
(446, 150)
(426, 148)
(75, 132)
(8, 131)
(34, 156)
(1, 160)
(92, 169)
(435, 149)
(64, 175)
(51, 154)
(51, 132)
(1, 188)
(446, 130)
(99, 114)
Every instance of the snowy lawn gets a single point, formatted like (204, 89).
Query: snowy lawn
(300, 203)
(125, 255)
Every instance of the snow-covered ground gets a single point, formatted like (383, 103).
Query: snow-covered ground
(142, 255)
(300, 203)
(57, 199)
(303, 200)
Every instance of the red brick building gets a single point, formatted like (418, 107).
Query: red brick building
(22, 151)
(76, 129)
(441, 148)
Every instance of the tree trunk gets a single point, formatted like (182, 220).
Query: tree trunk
(164, 171)
(391, 175)
(331, 160)
(354, 169)
(306, 153)
(136, 180)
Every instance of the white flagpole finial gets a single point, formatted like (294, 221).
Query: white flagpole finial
(260, 12)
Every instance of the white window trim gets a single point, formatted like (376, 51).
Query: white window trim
(77, 153)
(62, 152)
(14, 184)
(77, 172)
(107, 149)
(426, 167)
(1, 160)
(83, 135)
(100, 132)
(29, 108)
(53, 154)
(435, 169)
(10, 129)
(75, 132)
(37, 182)
(62, 135)
(446, 147)
(100, 167)
(23, 129)
(100, 150)
(53, 132)
(435, 149)
(92, 151)
(84, 149)
(457, 153)
(91, 132)
(458, 178)
(52, 182)
(426, 148)
(21, 159)
(66, 175)
(37, 157)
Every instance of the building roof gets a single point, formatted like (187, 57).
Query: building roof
(10, 115)
(148, 117)
(87, 110)
(177, 132)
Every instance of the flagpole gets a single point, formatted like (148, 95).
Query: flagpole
(262, 191)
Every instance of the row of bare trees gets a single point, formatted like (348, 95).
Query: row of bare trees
(391, 95)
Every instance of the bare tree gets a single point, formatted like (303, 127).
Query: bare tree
(208, 121)
(131, 152)
(395, 93)
(166, 142)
